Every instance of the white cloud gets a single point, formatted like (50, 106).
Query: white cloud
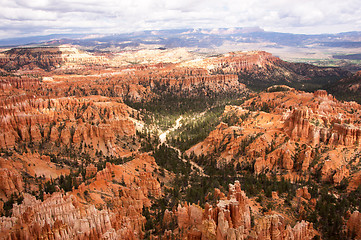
(24, 17)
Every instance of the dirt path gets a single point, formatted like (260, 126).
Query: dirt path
(163, 140)
(163, 136)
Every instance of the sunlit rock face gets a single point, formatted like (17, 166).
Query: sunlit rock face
(65, 216)
(286, 130)
(93, 120)
(231, 219)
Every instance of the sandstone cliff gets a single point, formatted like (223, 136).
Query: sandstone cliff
(88, 121)
(31, 58)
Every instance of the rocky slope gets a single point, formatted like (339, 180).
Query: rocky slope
(92, 121)
(260, 69)
(46, 58)
(231, 218)
(288, 132)
(138, 75)
(347, 88)
(109, 206)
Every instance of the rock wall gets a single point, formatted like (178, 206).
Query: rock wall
(109, 206)
(231, 219)
(48, 59)
(10, 182)
(289, 132)
(92, 121)
(242, 61)
(303, 123)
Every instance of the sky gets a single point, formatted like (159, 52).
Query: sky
(20, 18)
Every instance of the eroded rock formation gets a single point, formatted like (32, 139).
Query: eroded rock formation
(87, 121)
(231, 219)
(67, 216)
(284, 129)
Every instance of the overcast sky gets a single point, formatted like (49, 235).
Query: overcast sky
(42, 17)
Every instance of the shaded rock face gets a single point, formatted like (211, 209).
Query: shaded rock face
(348, 88)
(354, 226)
(18, 58)
(231, 219)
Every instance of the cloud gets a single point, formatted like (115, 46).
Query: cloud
(36, 17)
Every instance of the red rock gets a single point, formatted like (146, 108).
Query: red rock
(303, 192)
(320, 93)
(91, 170)
(31, 118)
(10, 182)
(231, 219)
(341, 173)
(67, 217)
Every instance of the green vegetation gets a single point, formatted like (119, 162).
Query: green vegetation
(168, 158)
(8, 205)
(114, 160)
(66, 182)
(196, 128)
(164, 111)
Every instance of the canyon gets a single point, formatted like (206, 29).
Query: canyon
(89, 146)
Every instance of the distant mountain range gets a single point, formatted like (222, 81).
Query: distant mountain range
(197, 38)
(330, 50)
